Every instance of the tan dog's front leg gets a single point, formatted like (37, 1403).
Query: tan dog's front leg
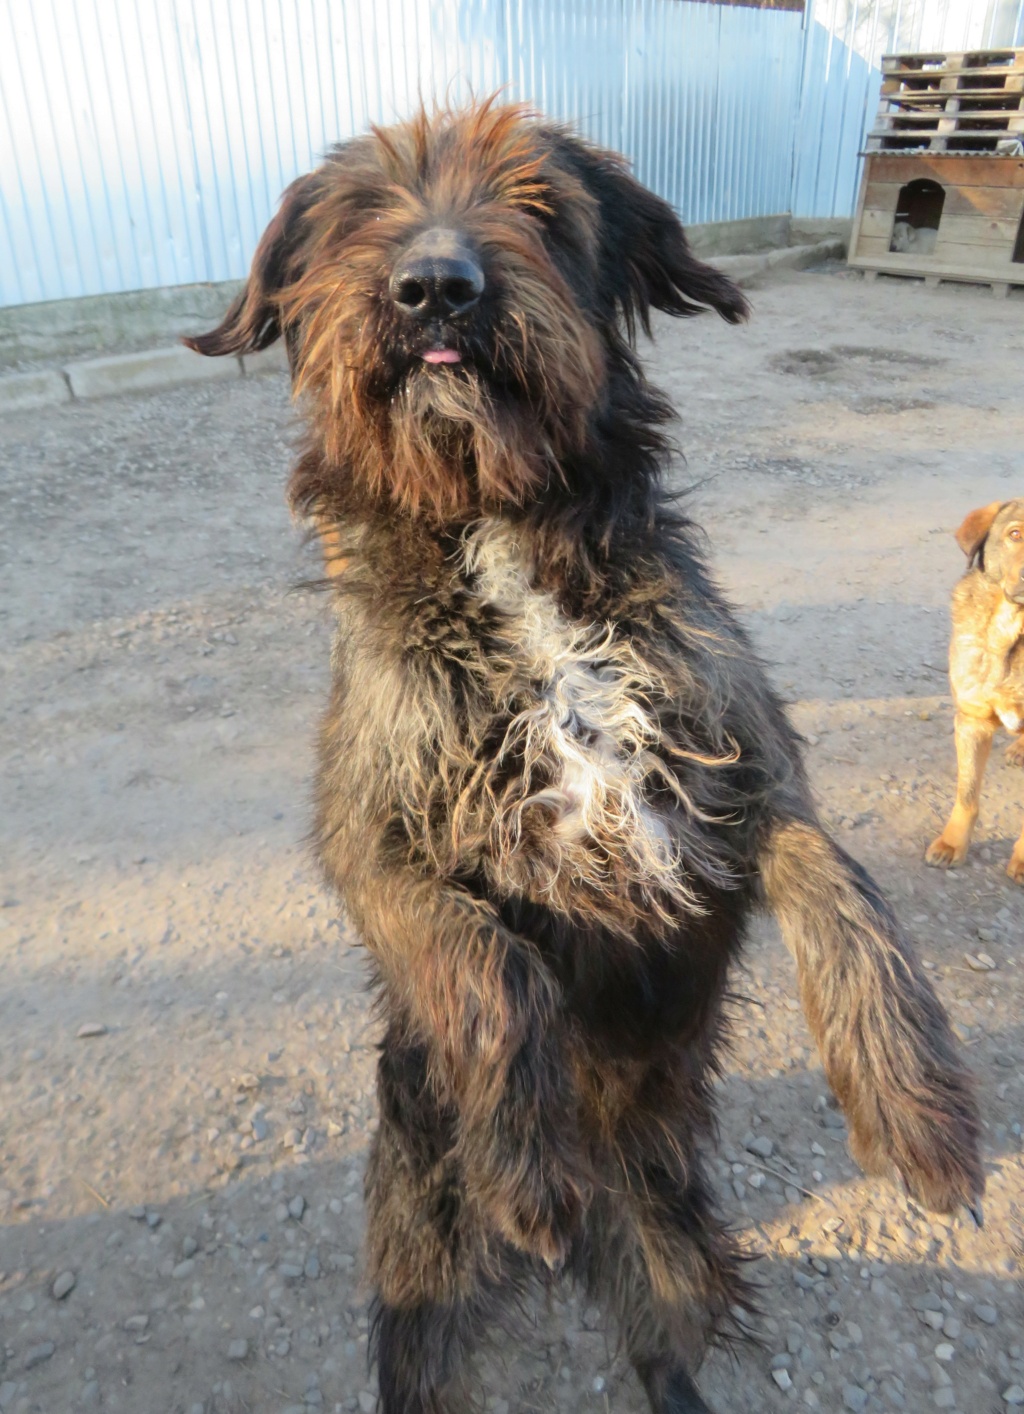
(973, 744)
(1015, 751)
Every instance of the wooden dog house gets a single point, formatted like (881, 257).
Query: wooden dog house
(943, 188)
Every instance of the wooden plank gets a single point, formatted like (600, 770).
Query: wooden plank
(868, 244)
(944, 128)
(960, 171)
(948, 254)
(960, 230)
(995, 203)
(972, 257)
(954, 71)
(896, 86)
(877, 223)
(978, 230)
(995, 117)
(859, 214)
(1010, 56)
(893, 265)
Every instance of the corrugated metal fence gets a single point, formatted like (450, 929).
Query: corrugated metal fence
(146, 145)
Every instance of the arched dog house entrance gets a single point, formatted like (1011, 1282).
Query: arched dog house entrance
(918, 213)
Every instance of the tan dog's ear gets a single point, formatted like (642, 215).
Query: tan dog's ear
(976, 526)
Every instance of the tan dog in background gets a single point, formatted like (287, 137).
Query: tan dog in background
(986, 667)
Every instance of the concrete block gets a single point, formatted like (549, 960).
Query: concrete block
(738, 237)
(808, 230)
(272, 360)
(151, 368)
(798, 257)
(61, 330)
(19, 392)
(746, 268)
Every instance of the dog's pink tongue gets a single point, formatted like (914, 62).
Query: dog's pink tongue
(442, 356)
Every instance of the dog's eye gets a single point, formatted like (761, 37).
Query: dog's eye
(1014, 534)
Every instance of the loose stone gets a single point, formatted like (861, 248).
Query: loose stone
(64, 1285)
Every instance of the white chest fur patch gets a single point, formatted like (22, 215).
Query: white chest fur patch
(575, 812)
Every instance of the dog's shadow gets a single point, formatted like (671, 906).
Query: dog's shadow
(856, 1285)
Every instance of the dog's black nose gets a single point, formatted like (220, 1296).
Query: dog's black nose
(437, 276)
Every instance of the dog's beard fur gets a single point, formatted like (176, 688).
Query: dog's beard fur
(444, 446)
(448, 442)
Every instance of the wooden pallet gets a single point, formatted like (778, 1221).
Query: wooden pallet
(968, 101)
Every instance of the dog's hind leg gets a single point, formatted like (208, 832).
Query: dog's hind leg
(656, 1253)
(885, 1041)
(420, 1354)
(425, 1246)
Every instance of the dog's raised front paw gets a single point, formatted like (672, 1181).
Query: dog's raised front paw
(1015, 868)
(932, 1142)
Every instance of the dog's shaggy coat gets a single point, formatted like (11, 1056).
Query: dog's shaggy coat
(554, 781)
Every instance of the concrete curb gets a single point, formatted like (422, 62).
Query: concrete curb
(139, 372)
(20, 392)
(745, 268)
(129, 373)
(166, 367)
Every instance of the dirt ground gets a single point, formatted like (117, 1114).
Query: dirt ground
(186, 1047)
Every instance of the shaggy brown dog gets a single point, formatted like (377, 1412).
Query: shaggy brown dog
(554, 781)
(986, 668)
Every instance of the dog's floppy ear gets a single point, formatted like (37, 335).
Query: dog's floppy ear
(972, 534)
(645, 257)
(253, 321)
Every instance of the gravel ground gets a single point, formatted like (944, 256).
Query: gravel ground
(186, 1049)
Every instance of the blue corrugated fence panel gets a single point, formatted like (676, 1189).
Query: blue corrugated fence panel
(145, 145)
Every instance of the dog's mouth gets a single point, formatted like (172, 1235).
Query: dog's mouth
(443, 354)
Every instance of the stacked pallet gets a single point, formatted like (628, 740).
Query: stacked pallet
(959, 102)
(942, 194)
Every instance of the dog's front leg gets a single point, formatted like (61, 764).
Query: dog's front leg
(489, 1011)
(885, 1041)
(973, 744)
